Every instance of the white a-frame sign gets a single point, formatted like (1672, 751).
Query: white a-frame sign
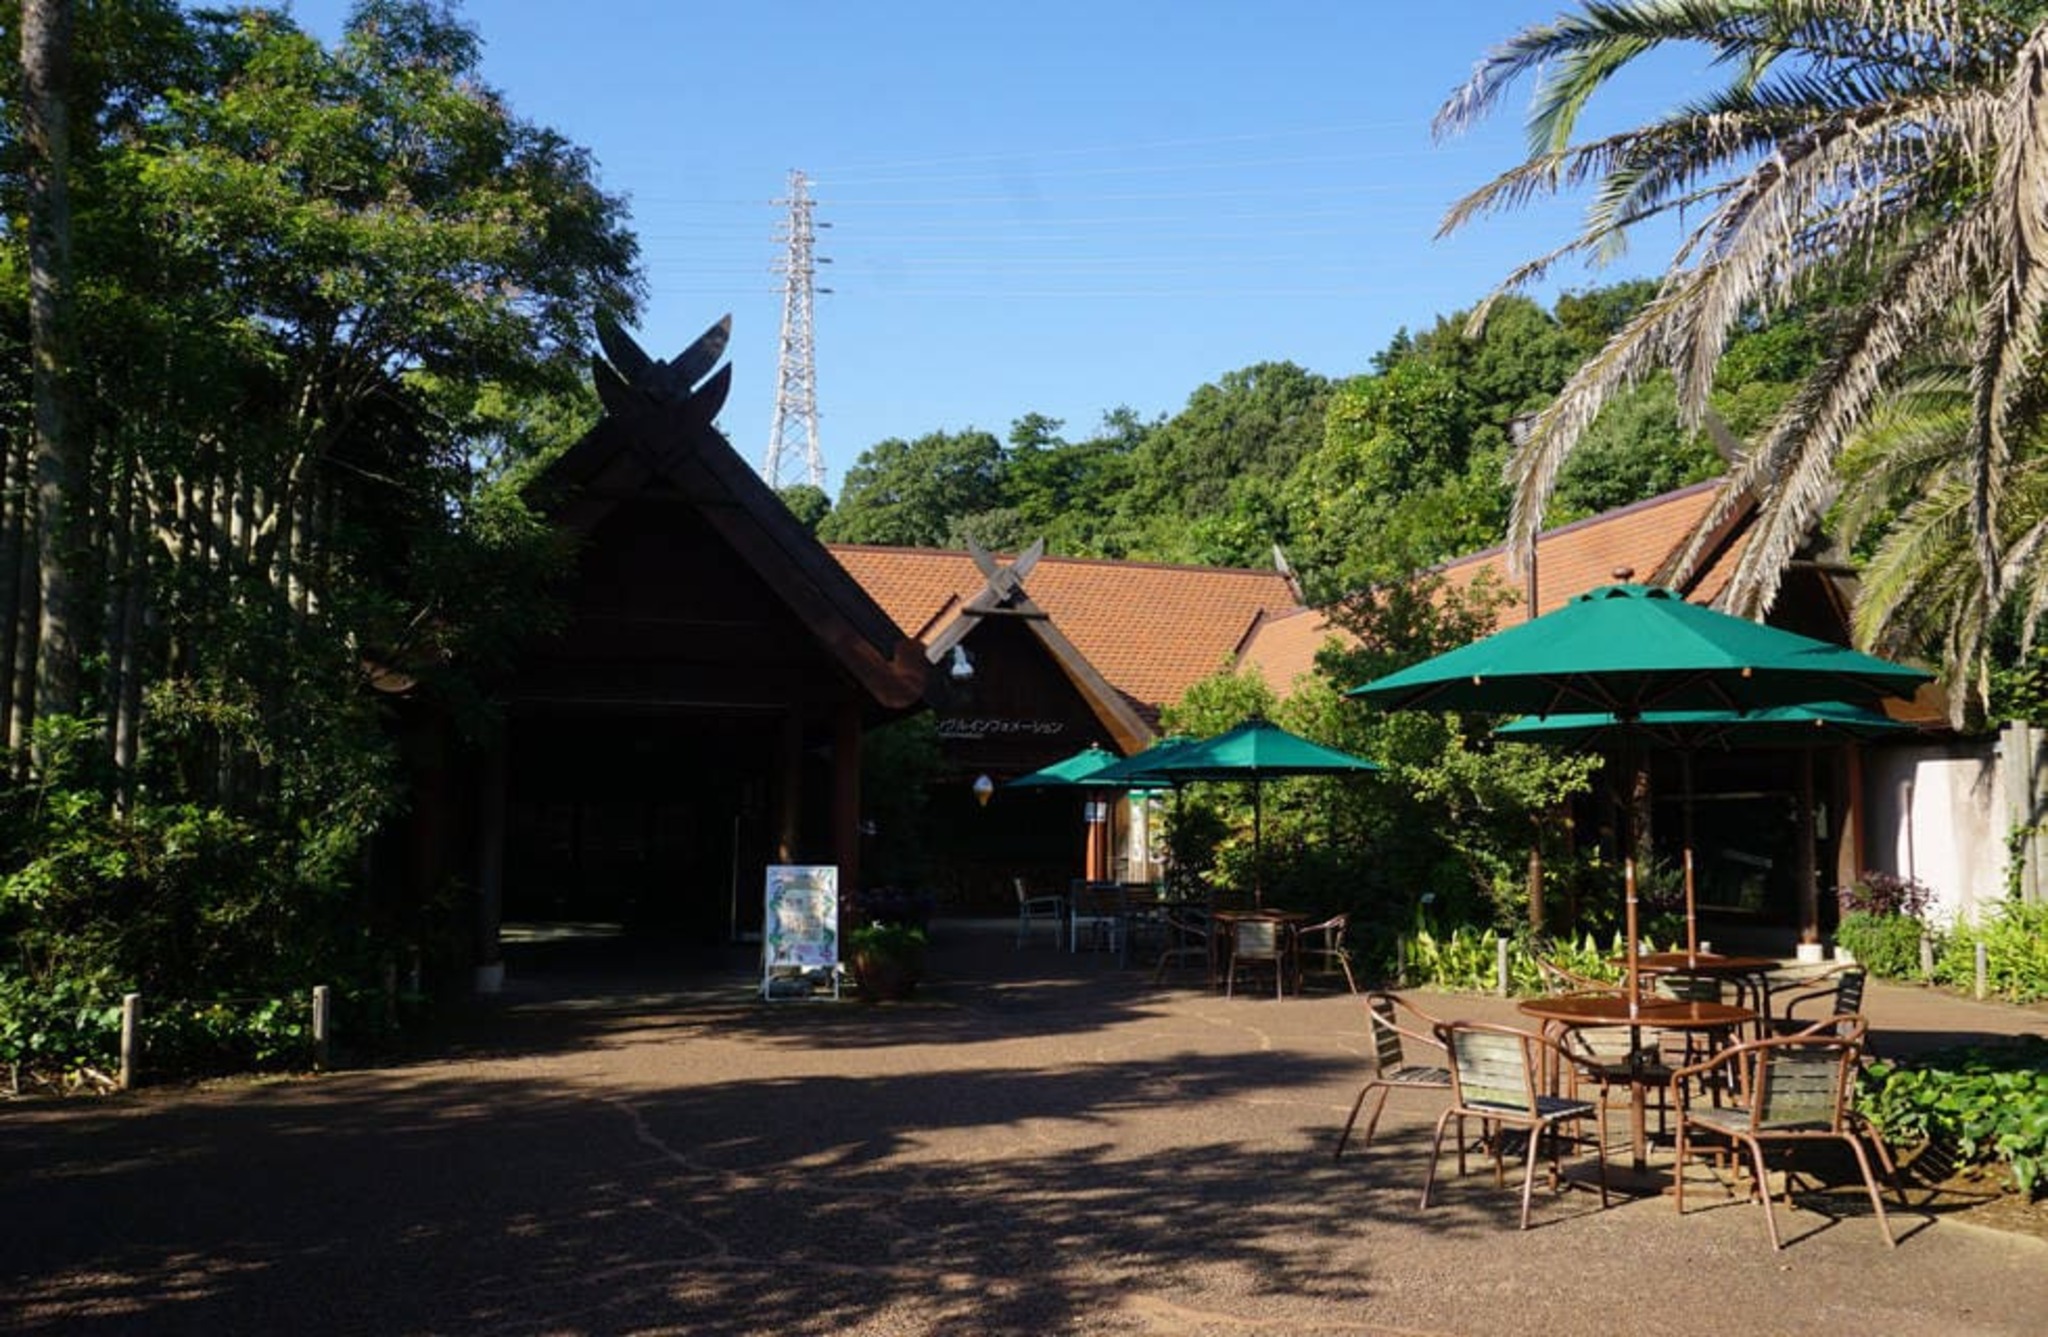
(800, 931)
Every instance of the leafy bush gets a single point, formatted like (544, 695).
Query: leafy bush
(1885, 894)
(1990, 1102)
(1887, 945)
(57, 1032)
(2015, 938)
(1465, 960)
(227, 1035)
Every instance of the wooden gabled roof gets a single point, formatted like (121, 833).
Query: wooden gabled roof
(657, 439)
(1151, 630)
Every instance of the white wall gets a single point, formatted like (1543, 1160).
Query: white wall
(1938, 812)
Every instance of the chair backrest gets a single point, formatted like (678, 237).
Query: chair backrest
(1385, 1022)
(1849, 991)
(1329, 934)
(1558, 980)
(1257, 939)
(1603, 1045)
(1097, 898)
(1492, 1065)
(1187, 925)
(1689, 988)
(1801, 1082)
(1022, 894)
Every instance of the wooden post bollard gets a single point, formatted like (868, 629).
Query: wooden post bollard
(131, 1039)
(390, 993)
(1926, 958)
(1500, 966)
(1401, 961)
(1983, 972)
(322, 1004)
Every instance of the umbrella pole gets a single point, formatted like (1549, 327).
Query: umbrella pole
(1692, 917)
(1635, 994)
(1258, 851)
(1692, 928)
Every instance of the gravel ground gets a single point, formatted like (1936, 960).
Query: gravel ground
(1040, 1143)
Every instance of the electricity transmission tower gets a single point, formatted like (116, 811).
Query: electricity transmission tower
(796, 373)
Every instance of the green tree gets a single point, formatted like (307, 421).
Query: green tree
(1201, 483)
(1456, 814)
(913, 492)
(1894, 144)
(1394, 486)
(808, 504)
(335, 293)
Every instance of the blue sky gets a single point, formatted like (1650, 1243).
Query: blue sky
(1058, 208)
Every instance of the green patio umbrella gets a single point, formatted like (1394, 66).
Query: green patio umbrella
(1628, 649)
(1134, 771)
(1687, 731)
(1075, 772)
(1257, 750)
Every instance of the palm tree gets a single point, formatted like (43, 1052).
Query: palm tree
(1897, 149)
(1906, 493)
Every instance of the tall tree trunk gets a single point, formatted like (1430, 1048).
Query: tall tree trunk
(14, 536)
(46, 132)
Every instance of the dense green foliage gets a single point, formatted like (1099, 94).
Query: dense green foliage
(331, 297)
(1987, 1103)
(2015, 941)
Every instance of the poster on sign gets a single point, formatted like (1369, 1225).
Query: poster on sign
(800, 931)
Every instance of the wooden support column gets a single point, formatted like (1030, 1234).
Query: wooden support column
(789, 798)
(1849, 821)
(846, 795)
(490, 866)
(1809, 870)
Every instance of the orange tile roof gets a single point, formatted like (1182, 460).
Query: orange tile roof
(1153, 630)
(1574, 558)
(1150, 629)
(1284, 646)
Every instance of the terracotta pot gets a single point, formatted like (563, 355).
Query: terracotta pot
(886, 976)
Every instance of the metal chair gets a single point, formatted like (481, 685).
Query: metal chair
(1614, 1060)
(1792, 1089)
(1030, 908)
(1393, 1069)
(1324, 944)
(1187, 932)
(1258, 943)
(1099, 908)
(1836, 992)
(1498, 1077)
(1556, 979)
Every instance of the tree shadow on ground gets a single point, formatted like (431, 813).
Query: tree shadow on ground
(993, 1201)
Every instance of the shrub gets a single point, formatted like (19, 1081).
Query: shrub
(2015, 938)
(1466, 959)
(1989, 1102)
(1885, 894)
(56, 1032)
(1886, 945)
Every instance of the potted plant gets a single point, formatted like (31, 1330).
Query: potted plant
(886, 958)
